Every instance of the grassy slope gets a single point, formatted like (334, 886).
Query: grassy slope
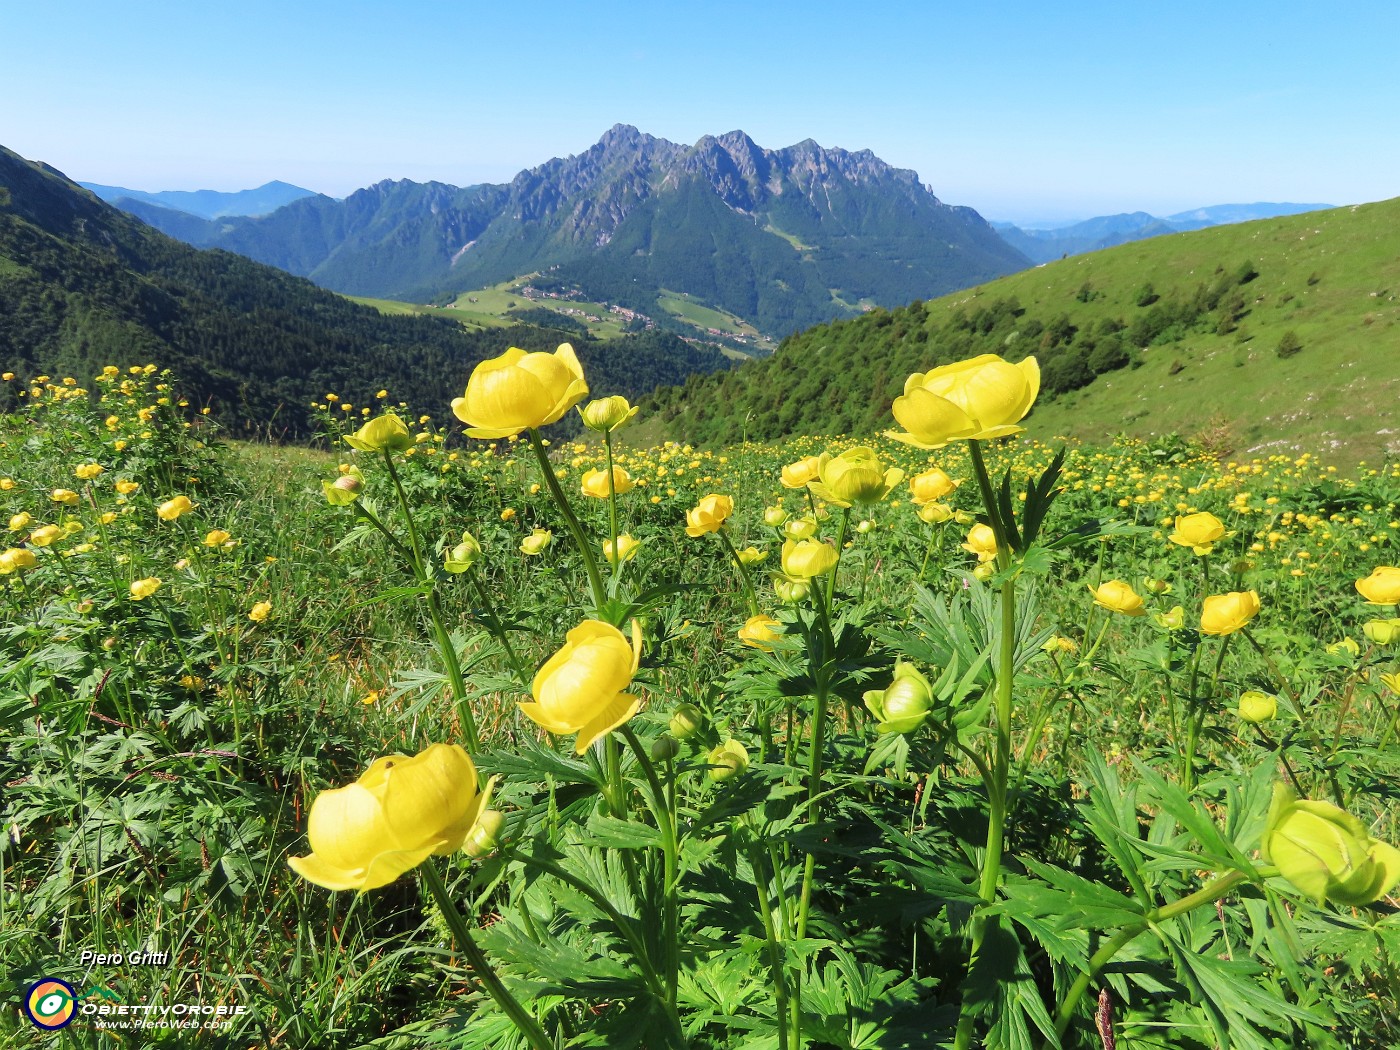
(1336, 396)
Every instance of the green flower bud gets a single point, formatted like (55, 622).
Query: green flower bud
(483, 836)
(686, 721)
(665, 748)
(905, 704)
(1256, 707)
(463, 556)
(1381, 632)
(727, 760)
(345, 489)
(1327, 853)
(386, 433)
(607, 414)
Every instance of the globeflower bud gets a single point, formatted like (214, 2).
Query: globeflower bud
(1326, 852)
(931, 485)
(345, 489)
(855, 476)
(935, 513)
(800, 529)
(1381, 632)
(1155, 586)
(808, 558)
(1256, 707)
(387, 433)
(774, 516)
(791, 592)
(727, 760)
(607, 414)
(485, 833)
(665, 748)
(1173, 620)
(686, 721)
(463, 556)
(536, 542)
(627, 547)
(904, 705)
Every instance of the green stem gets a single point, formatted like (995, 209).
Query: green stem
(670, 848)
(395, 542)
(749, 593)
(840, 546)
(1101, 958)
(510, 1006)
(612, 507)
(498, 631)
(590, 564)
(771, 935)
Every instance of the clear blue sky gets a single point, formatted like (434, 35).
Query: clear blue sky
(1023, 110)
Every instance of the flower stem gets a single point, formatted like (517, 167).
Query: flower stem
(670, 848)
(744, 576)
(524, 1022)
(590, 564)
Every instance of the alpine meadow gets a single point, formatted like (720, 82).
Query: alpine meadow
(718, 647)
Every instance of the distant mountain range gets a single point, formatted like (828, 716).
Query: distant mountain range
(83, 285)
(782, 238)
(1042, 242)
(206, 204)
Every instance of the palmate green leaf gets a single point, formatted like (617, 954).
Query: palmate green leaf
(727, 983)
(612, 833)
(1080, 902)
(530, 760)
(1001, 991)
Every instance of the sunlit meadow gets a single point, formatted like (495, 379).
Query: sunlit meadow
(447, 732)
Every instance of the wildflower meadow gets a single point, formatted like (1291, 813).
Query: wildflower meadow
(455, 730)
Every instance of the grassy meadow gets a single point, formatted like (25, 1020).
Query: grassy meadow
(1002, 752)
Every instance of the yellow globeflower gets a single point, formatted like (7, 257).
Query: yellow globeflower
(173, 508)
(931, 485)
(400, 812)
(797, 475)
(260, 612)
(1198, 531)
(126, 488)
(536, 542)
(774, 516)
(727, 760)
(855, 476)
(519, 391)
(806, 559)
(607, 414)
(87, 471)
(752, 556)
(1256, 707)
(21, 521)
(1327, 853)
(627, 548)
(935, 513)
(45, 535)
(216, 538)
(758, 631)
(580, 688)
(708, 515)
(595, 482)
(15, 559)
(463, 556)
(1117, 596)
(345, 489)
(1382, 587)
(386, 433)
(1227, 613)
(800, 528)
(145, 588)
(981, 541)
(67, 497)
(981, 398)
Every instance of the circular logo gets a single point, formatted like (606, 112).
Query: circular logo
(50, 1004)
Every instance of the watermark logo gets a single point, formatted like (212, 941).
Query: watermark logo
(51, 1004)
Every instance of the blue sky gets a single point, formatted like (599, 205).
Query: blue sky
(1021, 110)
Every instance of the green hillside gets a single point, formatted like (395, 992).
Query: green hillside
(1279, 334)
(83, 285)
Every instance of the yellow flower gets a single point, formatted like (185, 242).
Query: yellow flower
(536, 542)
(774, 516)
(758, 631)
(708, 515)
(1346, 645)
(45, 535)
(126, 488)
(797, 475)
(1256, 707)
(727, 760)
(1391, 681)
(519, 391)
(595, 482)
(1382, 587)
(1327, 853)
(400, 812)
(1381, 632)
(931, 485)
(145, 588)
(607, 414)
(345, 489)
(806, 559)
(981, 541)
(855, 476)
(981, 398)
(20, 521)
(580, 688)
(1117, 596)
(87, 471)
(6, 484)
(1227, 613)
(15, 559)
(67, 497)
(386, 433)
(216, 538)
(1174, 620)
(1198, 531)
(260, 612)
(626, 549)
(935, 513)
(173, 508)
(463, 556)
(752, 556)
